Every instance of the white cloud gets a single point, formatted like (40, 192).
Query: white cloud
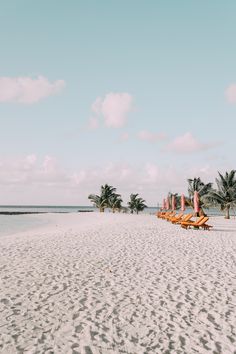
(30, 161)
(79, 177)
(153, 172)
(30, 170)
(27, 90)
(49, 165)
(231, 93)
(44, 181)
(114, 108)
(151, 137)
(187, 143)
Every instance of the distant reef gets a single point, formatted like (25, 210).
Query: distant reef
(85, 211)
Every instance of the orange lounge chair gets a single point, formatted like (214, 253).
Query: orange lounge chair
(206, 227)
(190, 222)
(193, 221)
(173, 215)
(176, 217)
(159, 214)
(163, 216)
(170, 215)
(201, 222)
(185, 218)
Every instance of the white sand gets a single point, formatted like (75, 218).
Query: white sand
(104, 283)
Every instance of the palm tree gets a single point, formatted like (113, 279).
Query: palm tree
(102, 201)
(115, 202)
(97, 201)
(203, 190)
(131, 203)
(136, 203)
(225, 195)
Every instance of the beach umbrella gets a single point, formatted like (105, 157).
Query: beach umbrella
(173, 202)
(167, 203)
(182, 202)
(196, 202)
(164, 204)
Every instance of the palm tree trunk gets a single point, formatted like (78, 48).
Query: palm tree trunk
(227, 215)
(201, 212)
(101, 209)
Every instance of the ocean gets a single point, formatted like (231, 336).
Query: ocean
(10, 224)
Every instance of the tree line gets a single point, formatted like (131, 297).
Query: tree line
(108, 198)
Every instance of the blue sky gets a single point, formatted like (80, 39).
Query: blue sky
(137, 94)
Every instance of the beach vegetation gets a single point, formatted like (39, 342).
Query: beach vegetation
(98, 201)
(136, 204)
(108, 198)
(225, 194)
(115, 202)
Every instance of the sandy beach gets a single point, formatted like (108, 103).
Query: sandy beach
(116, 283)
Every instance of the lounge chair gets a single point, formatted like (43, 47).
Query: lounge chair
(193, 221)
(159, 214)
(206, 227)
(164, 215)
(170, 215)
(185, 218)
(176, 217)
(201, 222)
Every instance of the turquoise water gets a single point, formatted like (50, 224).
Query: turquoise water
(10, 224)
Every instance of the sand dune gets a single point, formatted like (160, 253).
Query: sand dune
(108, 283)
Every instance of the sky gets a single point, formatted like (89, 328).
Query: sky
(137, 94)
